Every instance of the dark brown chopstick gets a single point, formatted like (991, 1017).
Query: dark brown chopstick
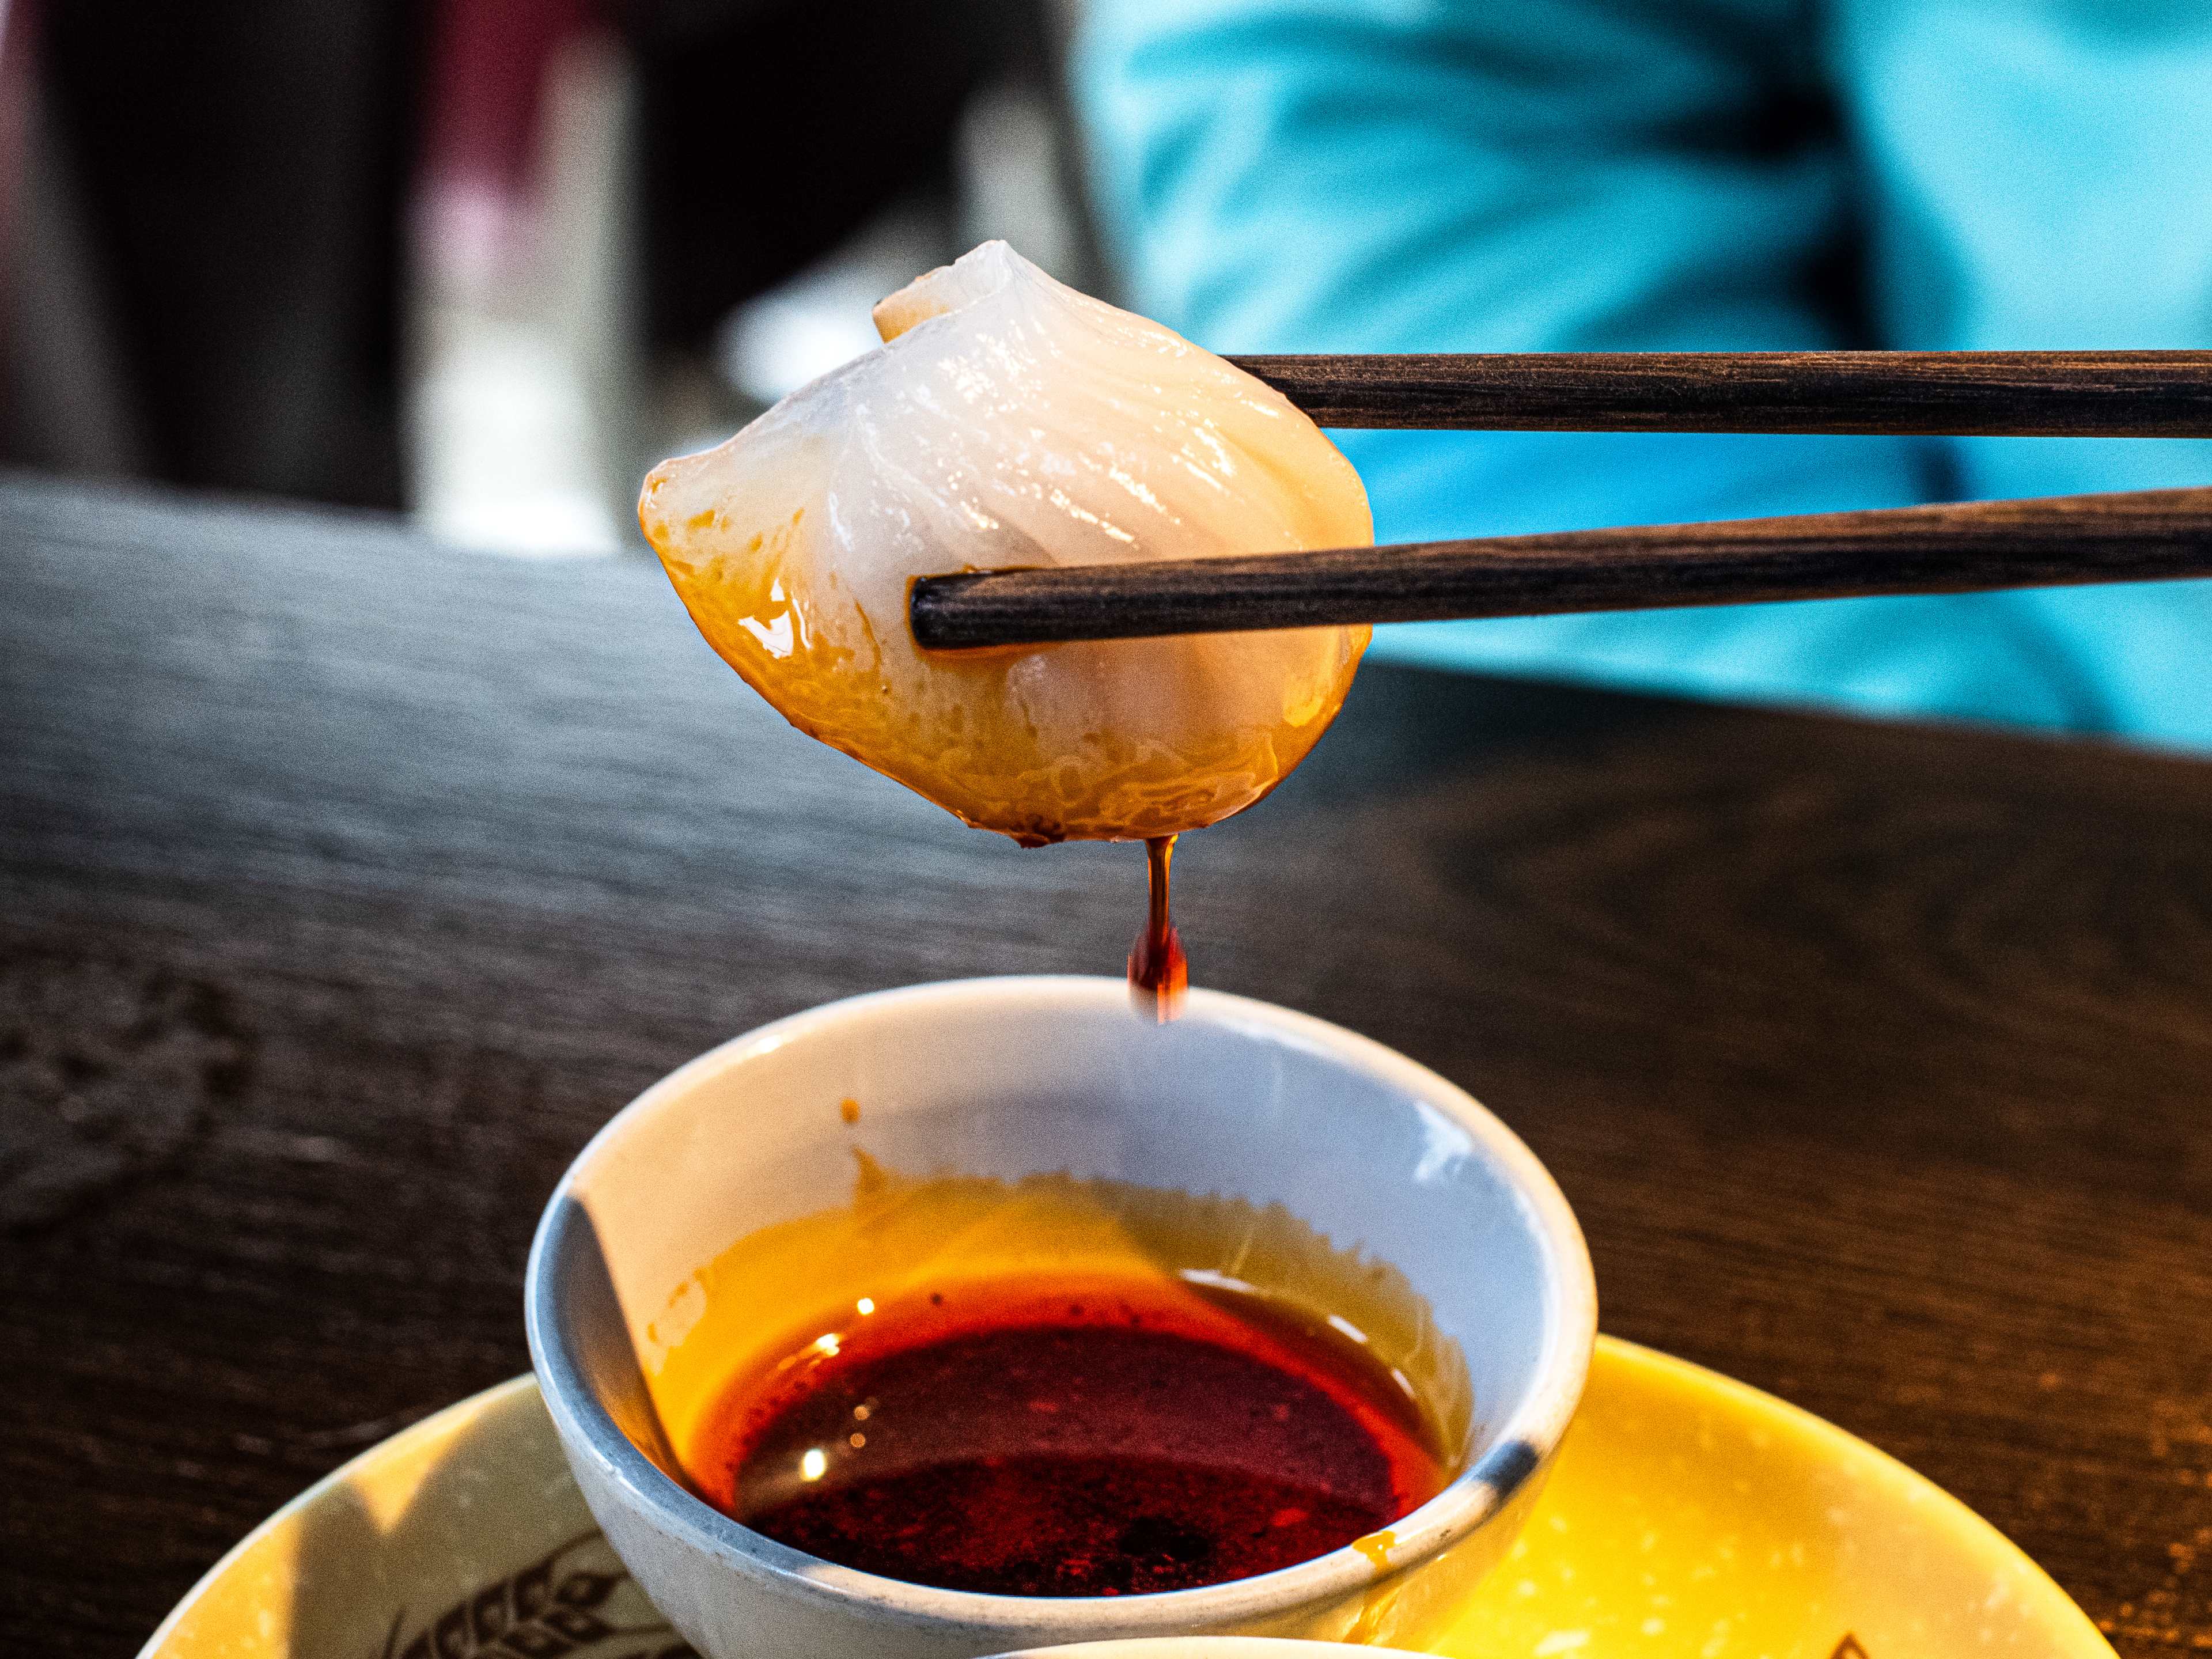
(2121, 394)
(2141, 535)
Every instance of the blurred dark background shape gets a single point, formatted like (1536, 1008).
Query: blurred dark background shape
(210, 222)
(485, 258)
(770, 131)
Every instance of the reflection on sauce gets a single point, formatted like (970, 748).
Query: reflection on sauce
(937, 1258)
(1158, 971)
(1043, 1434)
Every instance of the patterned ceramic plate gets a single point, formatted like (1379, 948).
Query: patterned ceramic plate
(1690, 1518)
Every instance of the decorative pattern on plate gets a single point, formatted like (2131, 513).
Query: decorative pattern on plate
(556, 1607)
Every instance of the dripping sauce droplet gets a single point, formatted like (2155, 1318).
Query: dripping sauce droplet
(1159, 973)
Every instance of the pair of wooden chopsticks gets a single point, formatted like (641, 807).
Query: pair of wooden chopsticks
(2140, 536)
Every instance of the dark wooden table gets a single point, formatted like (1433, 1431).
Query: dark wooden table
(347, 885)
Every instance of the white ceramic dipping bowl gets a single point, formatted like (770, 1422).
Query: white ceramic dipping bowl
(1010, 1077)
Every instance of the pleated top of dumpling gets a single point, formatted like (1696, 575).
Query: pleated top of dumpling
(1009, 419)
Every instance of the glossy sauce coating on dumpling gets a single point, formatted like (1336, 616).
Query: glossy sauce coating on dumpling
(1007, 421)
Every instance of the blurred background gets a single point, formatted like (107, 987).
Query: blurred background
(485, 260)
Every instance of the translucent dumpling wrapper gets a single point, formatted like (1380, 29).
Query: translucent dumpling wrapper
(1010, 420)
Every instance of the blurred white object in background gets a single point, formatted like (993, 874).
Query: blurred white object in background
(776, 342)
(1008, 184)
(521, 426)
(529, 417)
(1012, 179)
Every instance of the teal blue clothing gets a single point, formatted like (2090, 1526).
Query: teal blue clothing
(1577, 175)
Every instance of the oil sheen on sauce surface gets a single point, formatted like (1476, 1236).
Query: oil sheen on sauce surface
(1102, 1434)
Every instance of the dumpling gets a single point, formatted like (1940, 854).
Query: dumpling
(1007, 421)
